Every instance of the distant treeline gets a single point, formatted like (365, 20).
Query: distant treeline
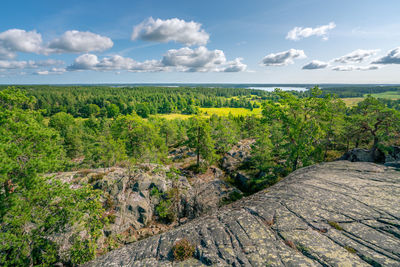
(357, 91)
(106, 101)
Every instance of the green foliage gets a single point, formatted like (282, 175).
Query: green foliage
(69, 131)
(165, 210)
(34, 210)
(373, 124)
(199, 138)
(224, 132)
(155, 192)
(183, 250)
(335, 225)
(34, 217)
(298, 127)
(232, 197)
(140, 137)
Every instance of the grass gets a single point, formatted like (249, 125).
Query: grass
(183, 250)
(394, 95)
(174, 116)
(352, 101)
(335, 225)
(210, 111)
(233, 111)
(350, 249)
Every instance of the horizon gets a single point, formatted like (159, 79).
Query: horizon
(224, 42)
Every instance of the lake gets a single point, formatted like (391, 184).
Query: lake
(270, 89)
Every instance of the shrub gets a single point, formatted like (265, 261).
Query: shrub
(96, 177)
(83, 173)
(335, 225)
(155, 192)
(232, 197)
(165, 210)
(350, 249)
(183, 250)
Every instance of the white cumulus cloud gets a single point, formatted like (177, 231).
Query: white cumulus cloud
(283, 58)
(315, 64)
(16, 40)
(184, 59)
(78, 42)
(357, 56)
(51, 71)
(91, 62)
(392, 57)
(178, 30)
(298, 33)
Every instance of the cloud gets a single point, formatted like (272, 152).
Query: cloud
(315, 64)
(283, 58)
(16, 40)
(352, 68)
(194, 60)
(91, 62)
(78, 42)
(235, 66)
(393, 57)
(15, 64)
(184, 59)
(298, 33)
(356, 56)
(163, 31)
(51, 71)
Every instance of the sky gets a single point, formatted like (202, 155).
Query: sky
(219, 41)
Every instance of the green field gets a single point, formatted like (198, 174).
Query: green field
(394, 95)
(218, 111)
(173, 116)
(352, 101)
(233, 111)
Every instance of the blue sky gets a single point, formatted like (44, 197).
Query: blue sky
(308, 41)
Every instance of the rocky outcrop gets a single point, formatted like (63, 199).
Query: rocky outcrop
(393, 157)
(364, 155)
(333, 214)
(234, 160)
(130, 197)
(237, 156)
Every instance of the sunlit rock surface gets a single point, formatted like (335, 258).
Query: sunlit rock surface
(333, 214)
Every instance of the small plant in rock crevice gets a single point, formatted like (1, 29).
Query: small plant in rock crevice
(183, 250)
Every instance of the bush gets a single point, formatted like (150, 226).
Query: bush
(165, 210)
(232, 197)
(183, 250)
(96, 177)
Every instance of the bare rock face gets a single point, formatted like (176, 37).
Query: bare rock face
(333, 214)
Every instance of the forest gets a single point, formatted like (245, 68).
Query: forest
(50, 129)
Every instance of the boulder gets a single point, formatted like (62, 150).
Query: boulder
(364, 155)
(332, 214)
(393, 157)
